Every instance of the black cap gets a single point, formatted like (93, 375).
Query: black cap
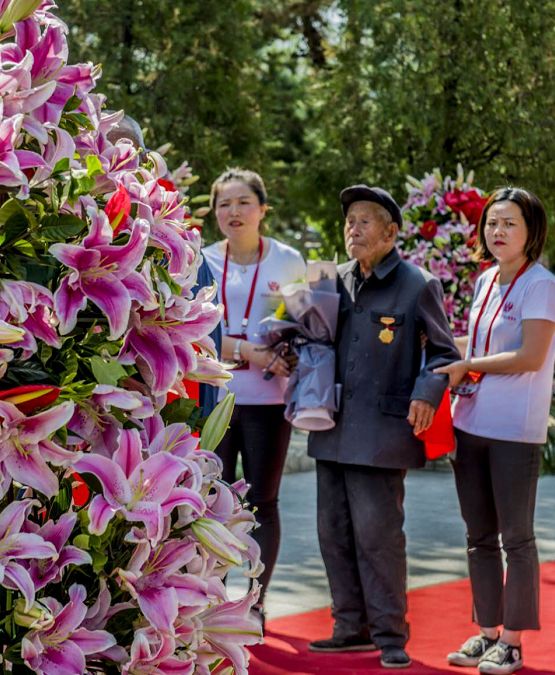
(363, 193)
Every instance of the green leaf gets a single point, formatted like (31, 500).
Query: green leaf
(72, 104)
(179, 410)
(81, 186)
(44, 353)
(61, 227)
(99, 561)
(107, 372)
(25, 372)
(164, 276)
(82, 541)
(61, 165)
(94, 166)
(14, 221)
(26, 248)
(70, 370)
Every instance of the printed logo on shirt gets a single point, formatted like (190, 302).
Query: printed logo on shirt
(507, 309)
(274, 286)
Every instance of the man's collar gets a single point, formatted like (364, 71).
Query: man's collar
(382, 269)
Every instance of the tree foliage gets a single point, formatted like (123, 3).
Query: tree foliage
(319, 94)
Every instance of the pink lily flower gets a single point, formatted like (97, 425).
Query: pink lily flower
(162, 346)
(12, 162)
(98, 616)
(154, 579)
(176, 439)
(28, 305)
(57, 533)
(102, 610)
(6, 355)
(141, 490)
(228, 627)
(63, 648)
(165, 212)
(100, 271)
(95, 424)
(153, 652)
(25, 446)
(16, 546)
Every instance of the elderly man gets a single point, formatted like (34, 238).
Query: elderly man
(387, 306)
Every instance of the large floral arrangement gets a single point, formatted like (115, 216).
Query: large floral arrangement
(439, 233)
(115, 528)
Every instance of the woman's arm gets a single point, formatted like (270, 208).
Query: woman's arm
(536, 340)
(461, 344)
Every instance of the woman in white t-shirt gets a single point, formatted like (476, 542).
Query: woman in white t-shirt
(250, 270)
(501, 416)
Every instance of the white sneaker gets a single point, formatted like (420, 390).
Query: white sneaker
(501, 659)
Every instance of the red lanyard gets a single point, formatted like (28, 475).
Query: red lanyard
(485, 304)
(245, 321)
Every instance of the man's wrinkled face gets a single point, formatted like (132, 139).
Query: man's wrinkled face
(369, 232)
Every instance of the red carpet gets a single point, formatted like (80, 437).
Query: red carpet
(439, 618)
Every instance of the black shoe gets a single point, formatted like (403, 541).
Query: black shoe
(395, 657)
(471, 651)
(501, 659)
(354, 643)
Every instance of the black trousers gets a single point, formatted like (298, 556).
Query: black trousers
(497, 483)
(261, 434)
(360, 529)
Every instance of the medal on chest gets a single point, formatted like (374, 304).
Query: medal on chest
(386, 335)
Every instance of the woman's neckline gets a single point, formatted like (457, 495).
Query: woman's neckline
(245, 267)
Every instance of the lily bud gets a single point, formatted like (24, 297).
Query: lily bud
(10, 334)
(16, 11)
(219, 540)
(217, 423)
(38, 617)
(202, 212)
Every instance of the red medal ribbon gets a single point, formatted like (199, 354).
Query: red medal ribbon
(485, 303)
(245, 321)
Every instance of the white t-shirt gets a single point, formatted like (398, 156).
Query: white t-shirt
(281, 266)
(510, 407)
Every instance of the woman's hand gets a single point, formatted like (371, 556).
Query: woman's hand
(457, 371)
(266, 358)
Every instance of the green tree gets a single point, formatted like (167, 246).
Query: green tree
(320, 94)
(411, 85)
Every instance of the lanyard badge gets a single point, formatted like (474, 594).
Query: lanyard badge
(242, 364)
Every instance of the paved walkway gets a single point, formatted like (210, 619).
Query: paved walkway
(435, 538)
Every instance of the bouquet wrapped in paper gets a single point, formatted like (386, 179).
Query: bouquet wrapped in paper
(309, 330)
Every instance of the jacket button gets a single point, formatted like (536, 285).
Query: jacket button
(355, 338)
(358, 309)
(351, 365)
(349, 395)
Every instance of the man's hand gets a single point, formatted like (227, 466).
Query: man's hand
(421, 414)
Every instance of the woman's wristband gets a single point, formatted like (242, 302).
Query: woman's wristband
(237, 350)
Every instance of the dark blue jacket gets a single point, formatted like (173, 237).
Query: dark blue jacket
(208, 393)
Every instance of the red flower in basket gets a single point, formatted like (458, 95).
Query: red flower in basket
(29, 397)
(428, 229)
(470, 203)
(167, 184)
(118, 208)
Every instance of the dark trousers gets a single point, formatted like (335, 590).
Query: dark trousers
(261, 434)
(360, 529)
(496, 484)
